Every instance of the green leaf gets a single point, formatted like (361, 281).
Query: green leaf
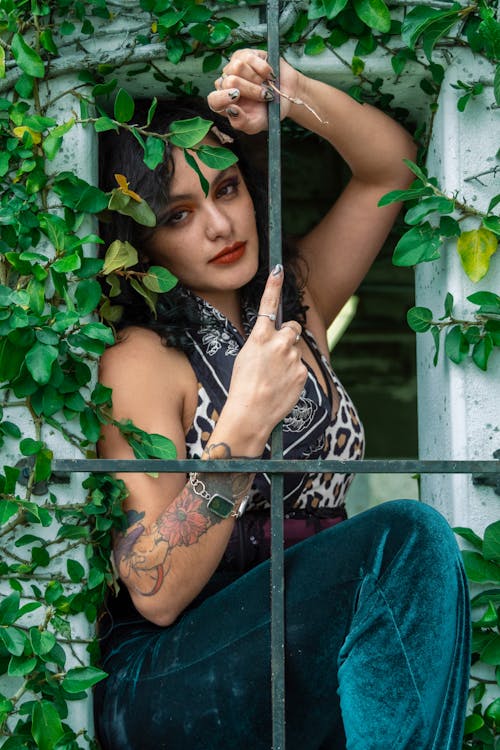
(28, 60)
(81, 678)
(124, 106)
(436, 335)
(475, 249)
(429, 205)
(456, 345)
(126, 205)
(9, 607)
(473, 722)
(188, 133)
(102, 124)
(449, 227)
(417, 171)
(76, 571)
(374, 13)
(480, 570)
(159, 279)
(436, 30)
(13, 639)
(421, 18)
(493, 711)
(403, 195)
(216, 157)
(485, 298)
(47, 41)
(119, 255)
(42, 641)
(53, 142)
(98, 331)
(492, 223)
(87, 295)
(417, 245)
(315, 45)
(489, 618)
(21, 665)
(481, 352)
(328, 8)
(194, 165)
(419, 319)
(491, 652)
(39, 361)
(90, 425)
(470, 536)
(7, 510)
(46, 726)
(79, 195)
(219, 33)
(30, 447)
(67, 263)
(153, 152)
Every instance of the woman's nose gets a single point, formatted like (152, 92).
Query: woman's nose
(217, 223)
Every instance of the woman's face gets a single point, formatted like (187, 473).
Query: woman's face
(210, 243)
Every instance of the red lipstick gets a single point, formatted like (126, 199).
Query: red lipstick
(230, 254)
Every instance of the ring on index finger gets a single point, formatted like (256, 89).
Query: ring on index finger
(271, 316)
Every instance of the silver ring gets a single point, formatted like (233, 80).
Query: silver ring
(271, 316)
(297, 338)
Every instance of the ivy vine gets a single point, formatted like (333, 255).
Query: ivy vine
(55, 320)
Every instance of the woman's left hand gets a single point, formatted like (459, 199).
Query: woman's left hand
(243, 91)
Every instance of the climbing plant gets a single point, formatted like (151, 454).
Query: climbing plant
(56, 320)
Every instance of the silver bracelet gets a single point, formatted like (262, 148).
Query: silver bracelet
(222, 506)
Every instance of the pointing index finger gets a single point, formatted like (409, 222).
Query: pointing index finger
(270, 304)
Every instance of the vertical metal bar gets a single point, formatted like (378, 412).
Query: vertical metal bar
(277, 558)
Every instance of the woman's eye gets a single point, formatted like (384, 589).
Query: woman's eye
(228, 188)
(177, 217)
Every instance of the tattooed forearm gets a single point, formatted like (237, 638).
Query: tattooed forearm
(143, 553)
(238, 483)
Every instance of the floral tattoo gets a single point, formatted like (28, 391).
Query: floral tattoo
(143, 553)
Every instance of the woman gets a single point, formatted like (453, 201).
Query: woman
(372, 602)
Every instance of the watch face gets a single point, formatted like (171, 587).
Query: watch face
(221, 506)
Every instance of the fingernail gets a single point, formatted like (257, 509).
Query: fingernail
(278, 268)
(232, 112)
(233, 93)
(267, 94)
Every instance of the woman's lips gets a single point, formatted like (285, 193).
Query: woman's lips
(229, 254)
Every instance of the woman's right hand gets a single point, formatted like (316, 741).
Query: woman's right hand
(268, 374)
(246, 86)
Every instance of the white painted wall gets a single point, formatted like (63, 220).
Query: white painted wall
(459, 405)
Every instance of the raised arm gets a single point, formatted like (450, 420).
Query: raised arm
(174, 541)
(341, 247)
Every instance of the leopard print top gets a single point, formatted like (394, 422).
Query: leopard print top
(309, 431)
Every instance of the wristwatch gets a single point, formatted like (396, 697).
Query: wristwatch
(218, 504)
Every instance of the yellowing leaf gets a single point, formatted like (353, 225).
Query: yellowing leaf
(22, 129)
(124, 188)
(119, 255)
(154, 27)
(475, 249)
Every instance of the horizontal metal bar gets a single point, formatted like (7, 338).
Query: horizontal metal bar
(276, 466)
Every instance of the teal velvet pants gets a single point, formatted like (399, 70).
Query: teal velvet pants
(377, 650)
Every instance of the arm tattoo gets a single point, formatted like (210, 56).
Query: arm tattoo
(143, 554)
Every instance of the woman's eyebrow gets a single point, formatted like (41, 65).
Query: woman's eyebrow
(188, 196)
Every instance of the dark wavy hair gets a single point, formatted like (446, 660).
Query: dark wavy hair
(121, 153)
